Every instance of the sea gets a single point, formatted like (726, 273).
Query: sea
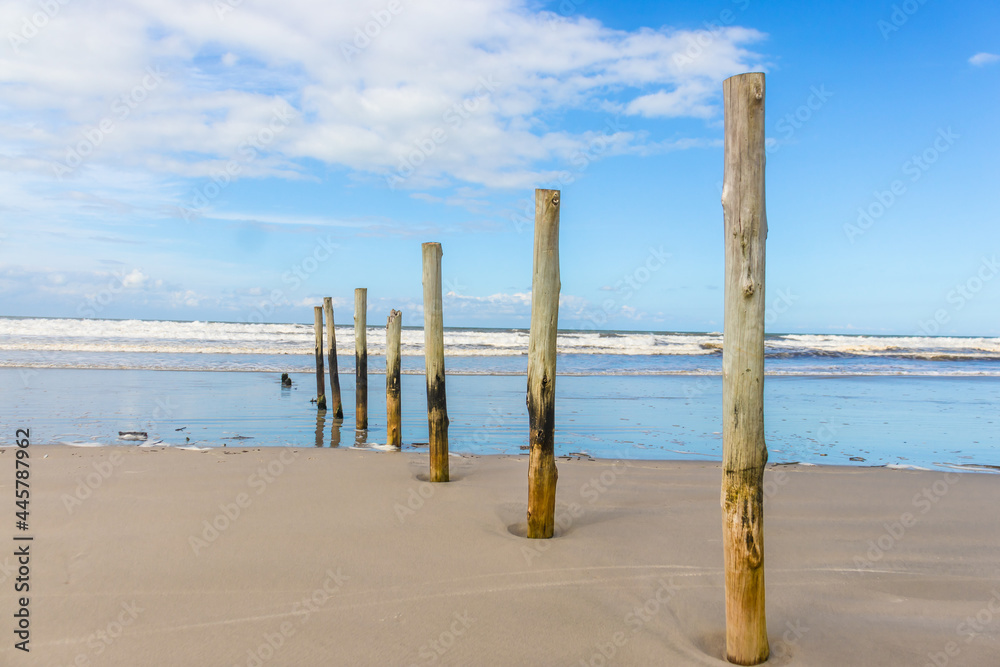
(901, 401)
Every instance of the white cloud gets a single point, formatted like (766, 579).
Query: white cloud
(455, 91)
(134, 278)
(981, 59)
(689, 99)
(507, 306)
(188, 298)
(518, 303)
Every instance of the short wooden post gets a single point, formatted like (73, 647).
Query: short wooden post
(331, 351)
(541, 399)
(360, 359)
(320, 386)
(393, 408)
(744, 453)
(437, 409)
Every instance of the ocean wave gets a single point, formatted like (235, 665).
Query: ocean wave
(153, 364)
(46, 336)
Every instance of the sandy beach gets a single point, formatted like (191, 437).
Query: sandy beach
(272, 556)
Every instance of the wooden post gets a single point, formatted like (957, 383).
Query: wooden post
(360, 359)
(393, 409)
(320, 386)
(331, 347)
(744, 453)
(541, 399)
(437, 409)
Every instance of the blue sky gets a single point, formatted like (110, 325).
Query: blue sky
(238, 161)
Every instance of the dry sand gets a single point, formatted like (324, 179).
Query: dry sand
(345, 557)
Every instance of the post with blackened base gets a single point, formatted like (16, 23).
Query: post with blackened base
(331, 349)
(361, 358)
(320, 386)
(393, 411)
(541, 399)
(744, 453)
(437, 409)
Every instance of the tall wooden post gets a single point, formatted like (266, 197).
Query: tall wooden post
(393, 409)
(361, 359)
(320, 386)
(541, 399)
(437, 409)
(331, 347)
(744, 453)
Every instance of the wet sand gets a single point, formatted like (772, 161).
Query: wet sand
(272, 556)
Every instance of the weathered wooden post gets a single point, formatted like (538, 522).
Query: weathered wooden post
(331, 347)
(393, 408)
(437, 409)
(541, 399)
(361, 359)
(320, 386)
(744, 453)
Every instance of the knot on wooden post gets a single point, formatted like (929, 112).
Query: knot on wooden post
(743, 510)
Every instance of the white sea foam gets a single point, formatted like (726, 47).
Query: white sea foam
(921, 347)
(904, 466)
(83, 335)
(90, 343)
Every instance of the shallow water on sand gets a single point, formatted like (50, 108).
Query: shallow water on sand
(930, 422)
